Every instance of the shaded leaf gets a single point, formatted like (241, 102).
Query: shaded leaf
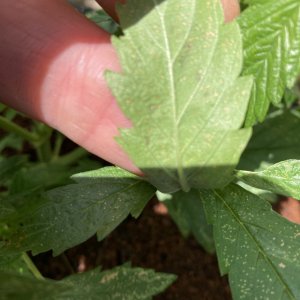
(290, 97)
(277, 139)
(43, 176)
(253, 2)
(264, 194)
(8, 112)
(14, 264)
(69, 215)
(12, 141)
(9, 166)
(18, 287)
(6, 209)
(179, 88)
(258, 248)
(121, 283)
(282, 178)
(40, 176)
(29, 177)
(271, 39)
(187, 211)
(2, 107)
(104, 21)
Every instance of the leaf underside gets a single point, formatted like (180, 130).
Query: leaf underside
(256, 246)
(282, 178)
(271, 39)
(69, 215)
(180, 88)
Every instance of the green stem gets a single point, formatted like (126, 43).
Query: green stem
(39, 153)
(71, 157)
(31, 266)
(43, 146)
(68, 263)
(43, 150)
(46, 150)
(14, 128)
(58, 144)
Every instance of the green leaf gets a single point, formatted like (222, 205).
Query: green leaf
(2, 107)
(18, 287)
(277, 139)
(12, 141)
(6, 209)
(10, 166)
(14, 263)
(121, 283)
(8, 112)
(264, 194)
(290, 97)
(104, 21)
(253, 2)
(43, 176)
(99, 201)
(257, 247)
(282, 178)
(271, 38)
(40, 176)
(180, 88)
(187, 211)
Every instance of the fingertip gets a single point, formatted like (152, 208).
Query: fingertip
(231, 9)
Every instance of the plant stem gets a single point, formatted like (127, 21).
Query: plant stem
(68, 263)
(71, 157)
(39, 154)
(58, 143)
(31, 266)
(43, 146)
(46, 150)
(43, 150)
(14, 128)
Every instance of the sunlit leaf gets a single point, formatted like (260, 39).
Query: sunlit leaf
(271, 38)
(282, 178)
(180, 88)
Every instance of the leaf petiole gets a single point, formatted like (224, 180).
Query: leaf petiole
(31, 266)
(9, 126)
(71, 157)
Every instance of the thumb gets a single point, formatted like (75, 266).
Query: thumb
(54, 72)
(231, 8)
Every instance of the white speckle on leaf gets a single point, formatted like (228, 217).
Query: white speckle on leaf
(282, 265)
(109, 277)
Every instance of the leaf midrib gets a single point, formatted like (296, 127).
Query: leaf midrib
(257, 244)
(176, 116)
(180, 172)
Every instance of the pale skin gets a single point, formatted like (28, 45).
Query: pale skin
(52, 62)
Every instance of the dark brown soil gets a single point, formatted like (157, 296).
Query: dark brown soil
(152, 241)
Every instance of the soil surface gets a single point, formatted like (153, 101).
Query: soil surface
(153, 241)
